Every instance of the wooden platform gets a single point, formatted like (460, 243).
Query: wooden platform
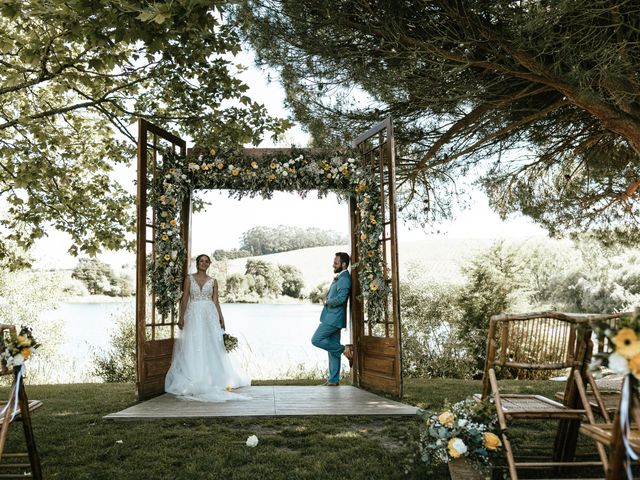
(271, 401)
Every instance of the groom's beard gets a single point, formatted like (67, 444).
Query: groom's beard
(337, 270)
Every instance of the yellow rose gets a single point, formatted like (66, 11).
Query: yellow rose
(491, 441)
(254, 165)
(627, 343)
(174, 201)
(173, 222)
(446, 418)
(167, 257)
(634, 365)
(203, 166)
(273, 165)
(220, 166)
(235, 172)
(163, 198)
(371, 253)
(165, 237)
(271, 177)
(374, 286)
(212, 152)
(23, 341)
(26, 353)
(372, 219)
(292, 170)
(363, 237)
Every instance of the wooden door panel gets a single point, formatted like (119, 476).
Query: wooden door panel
(377, 341)
(154, 333)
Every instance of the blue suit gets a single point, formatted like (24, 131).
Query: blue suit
(332, 319)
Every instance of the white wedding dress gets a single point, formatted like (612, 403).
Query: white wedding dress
(201, 368)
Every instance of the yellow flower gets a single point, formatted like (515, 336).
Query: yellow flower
(446, 418)
(627, 343)
(163, 198)
(212, 152)
(374, 286)
(173, 222)
(491, 441)
(271, 177)
(292, 170)
(235, 172)
(254, 165)
(165, 237)
(634, 365)
(26, 353)
(329, 175)
(220, 165)
(172, 170)
(457, 448)
(361, 186)
(174, 201)
(203, 166)
(372, 219)
(162, 225)
(371, 253)
(23, 341)
(167, 257)
(363, 237)
(273, 165)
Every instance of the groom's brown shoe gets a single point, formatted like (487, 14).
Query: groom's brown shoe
(348, 352)
(331, 384)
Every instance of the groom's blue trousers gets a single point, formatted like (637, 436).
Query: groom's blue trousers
(327, 337)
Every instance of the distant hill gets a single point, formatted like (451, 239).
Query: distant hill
(438, 259)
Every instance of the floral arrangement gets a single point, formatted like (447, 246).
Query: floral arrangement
(295, 170)
(624, 357)
(465, 429)
(16, 349)
(230, 342)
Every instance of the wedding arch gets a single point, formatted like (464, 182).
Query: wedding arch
(364, 174)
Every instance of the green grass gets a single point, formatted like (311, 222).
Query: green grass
(75, 443)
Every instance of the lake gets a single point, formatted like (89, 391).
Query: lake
(274, 340)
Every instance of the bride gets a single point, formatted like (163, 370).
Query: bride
(201, 369)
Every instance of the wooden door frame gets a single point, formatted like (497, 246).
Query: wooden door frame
(151, 354)
(380, 352)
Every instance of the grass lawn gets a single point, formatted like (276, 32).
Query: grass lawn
(75, 443)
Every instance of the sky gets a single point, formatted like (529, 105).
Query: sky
(224, 221)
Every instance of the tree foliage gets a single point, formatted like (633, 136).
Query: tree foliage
(100, 279)
(543, 98)
(266, 240)
(292, 280)
(75, 75)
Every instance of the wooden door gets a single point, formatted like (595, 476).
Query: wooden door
(154, 333)
(377, 344)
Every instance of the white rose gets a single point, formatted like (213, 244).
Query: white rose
(252, 441)
(618, 363)
(462, 422)
(18, 359)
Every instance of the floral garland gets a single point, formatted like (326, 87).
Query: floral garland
(17, 349)
(245, 175)
(466, 429)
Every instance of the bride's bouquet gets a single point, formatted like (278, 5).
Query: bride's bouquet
(230, 342)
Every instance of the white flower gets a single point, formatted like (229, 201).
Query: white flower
(174, 254)
(456, 445)
(252, 441)
(18, 359)
(618, 363)
(462, 422)
(194, 166)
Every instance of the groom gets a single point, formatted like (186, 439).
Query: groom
(334, 318)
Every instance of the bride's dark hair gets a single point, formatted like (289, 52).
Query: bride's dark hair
(202, 255)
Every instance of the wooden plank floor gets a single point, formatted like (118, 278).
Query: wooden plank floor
(271, 401)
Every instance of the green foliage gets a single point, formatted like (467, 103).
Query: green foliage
(100, 279)
(542, 96)
(75, 76)
(222, 254)
(266, 240)
(266, 277)
(292, 281)
(118, 363)
(319, 292)
(431, 341)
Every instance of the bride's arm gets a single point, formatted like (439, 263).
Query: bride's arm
(217, 303)
(186, 286)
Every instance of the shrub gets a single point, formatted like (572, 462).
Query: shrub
(317, 295)
(118, 363)
(430, 342)
(292, 281)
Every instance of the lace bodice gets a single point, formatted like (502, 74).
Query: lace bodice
(197, 293)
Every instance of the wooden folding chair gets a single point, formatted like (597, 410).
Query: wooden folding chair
(18, 408)
(609, 434)
(536, 342)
